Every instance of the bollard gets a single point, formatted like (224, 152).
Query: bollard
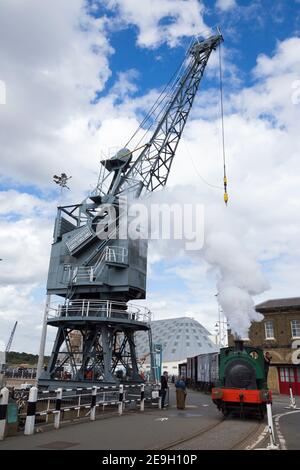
(93, 404)
(292, 400)
(4, 395)
(159, 396)
(121, 397)
(272, 445)
(57, 408)
(142, 405)
(31, 409)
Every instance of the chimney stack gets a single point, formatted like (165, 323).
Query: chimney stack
(239, 344)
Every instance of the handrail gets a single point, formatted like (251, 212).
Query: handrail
(99, 308)
(111, 254)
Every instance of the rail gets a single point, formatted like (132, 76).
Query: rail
(38, 408)
(99, 308)
(79, 274)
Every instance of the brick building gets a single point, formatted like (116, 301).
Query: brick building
(279, 333)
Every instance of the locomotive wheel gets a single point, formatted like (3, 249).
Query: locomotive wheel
(261, 412)
(225, 411)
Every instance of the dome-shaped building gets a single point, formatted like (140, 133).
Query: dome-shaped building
(180, 338)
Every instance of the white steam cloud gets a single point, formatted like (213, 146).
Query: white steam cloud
(238, 279)
(238, 275)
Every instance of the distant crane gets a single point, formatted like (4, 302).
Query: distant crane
(8, 346)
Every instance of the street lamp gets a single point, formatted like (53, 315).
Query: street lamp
(221, 327)
(62, 182)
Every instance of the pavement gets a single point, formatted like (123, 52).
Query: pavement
(199, 426)
(289, 425)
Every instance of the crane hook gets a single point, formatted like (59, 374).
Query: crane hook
(223, 131)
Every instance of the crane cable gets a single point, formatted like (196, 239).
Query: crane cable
(223, 132)
(162, 96)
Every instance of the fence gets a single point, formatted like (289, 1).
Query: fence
(40, 408)
(20, 374)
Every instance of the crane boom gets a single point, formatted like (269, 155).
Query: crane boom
(151, 168)
(8, 346)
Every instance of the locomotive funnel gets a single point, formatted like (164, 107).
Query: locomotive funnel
(239, 344)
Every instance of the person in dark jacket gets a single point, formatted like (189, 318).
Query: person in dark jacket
(268, 358)
(164, 388)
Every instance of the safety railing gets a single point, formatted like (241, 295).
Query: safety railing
(20, 373)
(53, 407)
(116, 254)
(99, 308)
(79, 274)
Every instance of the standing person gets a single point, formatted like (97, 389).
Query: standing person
(164, 387)
(268, 358)
(180, 393)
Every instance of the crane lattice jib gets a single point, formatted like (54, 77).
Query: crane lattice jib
(151, 169)
(8, 346)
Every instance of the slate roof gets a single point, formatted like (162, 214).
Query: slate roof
(279, 305)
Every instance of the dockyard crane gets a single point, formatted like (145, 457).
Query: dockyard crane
(11, 337)
(96, 276)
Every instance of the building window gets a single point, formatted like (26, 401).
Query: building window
(287, 374)
(269, 329)
(295, 326)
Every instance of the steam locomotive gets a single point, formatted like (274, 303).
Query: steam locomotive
(242, 384)
(236, 378)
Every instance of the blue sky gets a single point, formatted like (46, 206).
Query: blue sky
(78, 77)
(250, 29)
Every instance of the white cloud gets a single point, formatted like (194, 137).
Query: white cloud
(13, 203)
(225, 5)
(160, 21)
(53, 63)
(286, 59)
(25, 248)
(18, 303)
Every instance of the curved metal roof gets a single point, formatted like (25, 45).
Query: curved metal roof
(180, 338)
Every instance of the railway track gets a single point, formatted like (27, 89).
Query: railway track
(193, 436)
(240, 444)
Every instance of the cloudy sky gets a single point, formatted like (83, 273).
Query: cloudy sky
(75, 79)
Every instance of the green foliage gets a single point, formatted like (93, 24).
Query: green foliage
(14, 358)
